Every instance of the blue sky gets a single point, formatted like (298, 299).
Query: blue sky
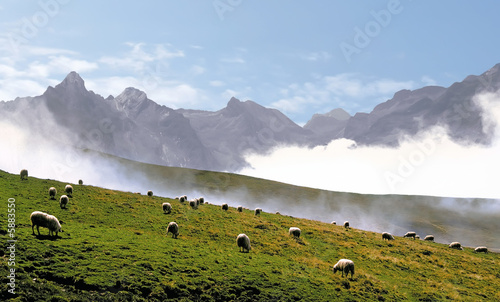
(296, 56)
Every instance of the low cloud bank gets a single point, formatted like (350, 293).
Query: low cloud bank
(428, 164)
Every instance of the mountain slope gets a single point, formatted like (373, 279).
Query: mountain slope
(114, 248)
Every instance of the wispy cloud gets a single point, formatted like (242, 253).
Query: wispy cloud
(217, 83)
(233, 60)
(317, 56)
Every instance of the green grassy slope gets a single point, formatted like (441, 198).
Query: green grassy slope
(473, 222)
(114, 247)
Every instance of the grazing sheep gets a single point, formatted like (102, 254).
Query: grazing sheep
(52, 193)
(243, 243)
(456, 245)
(193, 204)
(80, 182)
(334, 222)
(40, 219)
(294, 231)
(346, 224)
(174, 229)
(201, 200)
(24, 174)
(182, 199)
(345, 266)
(167, 207)
(224, 206)
(481, 249)
(429, 238)
(387, 236)
(150, 193)
(69, 190)
(240, 209)
(63, 201)
(258, 211)
(410, 234)
(278, 213)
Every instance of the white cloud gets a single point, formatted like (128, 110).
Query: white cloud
(233, 60)
(197, 70)
(428, 81)
(217, 83)
(317, 56)
(430, 164)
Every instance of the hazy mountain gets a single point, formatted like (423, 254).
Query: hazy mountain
(328, 126)
(132, 126)
(410, 112)
(241, 127)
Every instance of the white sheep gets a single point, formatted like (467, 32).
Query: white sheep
(410, 235)
(150, 193)
(346, 224)
(345, 266)
(294, 231)
(481, 249)
(243, 243)
(456, 245)
(173, 228)
(240, 209)
(224, 206)
(167, 207)
(388, 236)
(41, 219)
(334, 222)
(52, 193)
(69, 190)
(429, 238)
(201, 200)
(24, 174)
(258, 211)
(182, 199)
(63, 201)
(193, 204)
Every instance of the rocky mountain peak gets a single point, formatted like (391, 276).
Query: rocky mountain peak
(132, 94)
(72, 81)
(338, 114)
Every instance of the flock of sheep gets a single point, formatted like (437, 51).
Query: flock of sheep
(453, 245)
(346, 266)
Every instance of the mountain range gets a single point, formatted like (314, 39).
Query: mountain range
(132, 126)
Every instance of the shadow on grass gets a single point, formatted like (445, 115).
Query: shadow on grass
(48, 237)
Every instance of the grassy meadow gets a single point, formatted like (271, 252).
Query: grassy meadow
(114, 248)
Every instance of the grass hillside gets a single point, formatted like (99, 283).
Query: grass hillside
(472, 221)
(114, 247)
